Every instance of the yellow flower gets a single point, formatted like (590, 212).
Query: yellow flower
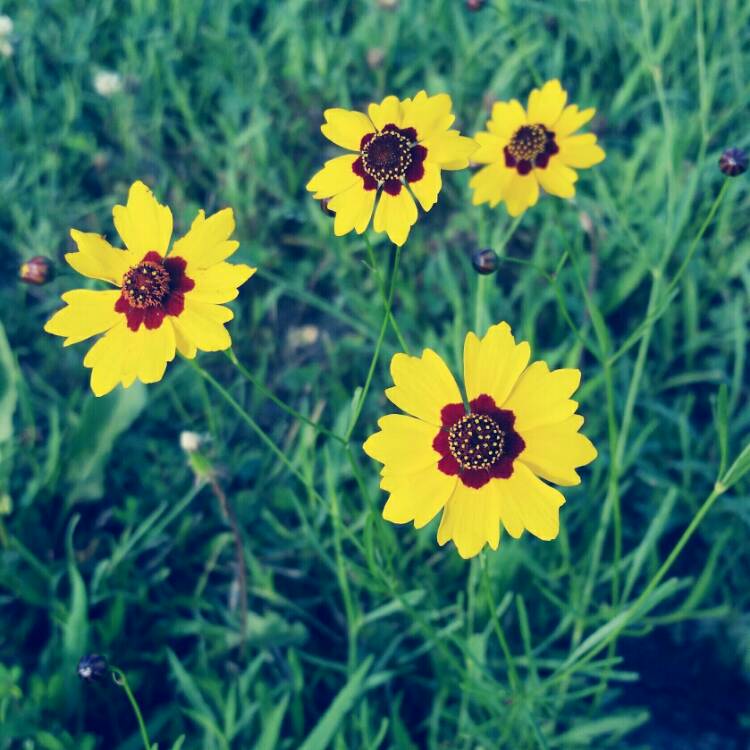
(400, 148)
(528, 149)
(163, 301)
(482, 468)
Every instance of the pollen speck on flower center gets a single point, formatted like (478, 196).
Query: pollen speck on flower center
(476, 441)
(387, 156)
(146, 285)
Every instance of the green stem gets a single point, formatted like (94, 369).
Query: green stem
(378, 346)
(120, 679)
(247, 374)
(381, 287)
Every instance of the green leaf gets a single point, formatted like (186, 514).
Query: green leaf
(326, 728)
(8, 390)
(738, 469)
(269, 738)
(103, 420)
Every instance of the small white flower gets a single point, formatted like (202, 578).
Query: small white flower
(6, 26)
(107, 83)
(190, 442)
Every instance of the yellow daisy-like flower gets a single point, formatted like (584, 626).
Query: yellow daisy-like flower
(480, 466)
(164, 301)
(400, 149)
(528, 149)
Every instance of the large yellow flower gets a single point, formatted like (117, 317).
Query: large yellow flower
(163, 301)
(481, 467)
(528, 149)
(400, 148)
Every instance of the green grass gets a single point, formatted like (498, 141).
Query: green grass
(361, 634)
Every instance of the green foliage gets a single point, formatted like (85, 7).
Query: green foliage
(358, 633)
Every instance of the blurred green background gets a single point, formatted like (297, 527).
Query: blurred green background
(360, 634)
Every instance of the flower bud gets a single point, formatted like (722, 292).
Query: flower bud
(324, 207)
(475, 4)
(484, 261)
(190, 442)
(733, 162)
(375, 57)
(388, 4)
(37, 271)
(92, 667)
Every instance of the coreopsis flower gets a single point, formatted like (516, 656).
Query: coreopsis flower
(483, 466)
(528, 149)
(163, 301)
(398, 150)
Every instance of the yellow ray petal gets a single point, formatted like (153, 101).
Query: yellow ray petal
(428, 114)
(346, 128)
(471, 519)
(108, 356)
(422, 386)
(201, 328)
(490, 184)
(208, 241)
(541, 397)
(557, 179)
(581, 151)
(157, 348)
(521, 192)
(395, 214)
(335, 177)
(506, 118)
(571, 120)
(490, 148)
(86, 313)
(220, 283)
(493, 364)
(97, 259)
(427, 189)
(403, 445)
(536, 503)
(555, 451)
(546, 104)
(144, 224)
(417, 497)
(450, 149)
(353, 209)
(387, 112)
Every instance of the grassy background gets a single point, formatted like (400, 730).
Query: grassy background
(362, 634)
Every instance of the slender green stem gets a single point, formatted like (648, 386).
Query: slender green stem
(247, 374)
(378, 346)
(120, 679)
(381, 287)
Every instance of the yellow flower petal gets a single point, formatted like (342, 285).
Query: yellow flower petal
(490, 184)
(490, 148)
(395, 214)
(149, 353)
(199, 325)
(87, 313)
(450, 149)
(555, 451)
(422, 386)
(571, 120)
(387, 112)
(208, 241)
(353, 209)
(534, 502)
(493, 364)
(521, 192)
(541, 397)
(346, 128)
(417, 497)
(509, 509)
(107, 357)
(220, 282)
(428, 114)
(97, 259)
(506, 118)
(403, 445)
(184, 345)
(557, 179)
(335, 177)
(144, 224)
(427, 189)
(546, 104)
(471, 519)
(581, 151)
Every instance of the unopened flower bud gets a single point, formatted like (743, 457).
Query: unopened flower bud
(475, 4)
(733, 162)
(37, 271)
(107, 83)
(324, 207)
(190, 442)
(484, 261)
(375, 57)
(388, 4)
(92, 667)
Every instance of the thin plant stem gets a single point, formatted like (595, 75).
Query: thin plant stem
(248, 375)
(378, 345)
(122, 681)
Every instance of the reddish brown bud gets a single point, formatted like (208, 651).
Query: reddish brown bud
(37, 271)
(733, 162)
(324, 207)
(484, 261)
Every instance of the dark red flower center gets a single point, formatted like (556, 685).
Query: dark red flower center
(530, 146)
(152, 290)
(478, 446)
(389, 158)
